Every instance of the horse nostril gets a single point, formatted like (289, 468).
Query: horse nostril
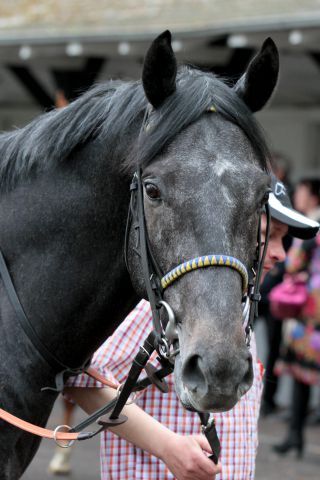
(193, 376)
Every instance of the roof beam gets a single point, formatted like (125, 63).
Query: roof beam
(32, 85)
(74, 82)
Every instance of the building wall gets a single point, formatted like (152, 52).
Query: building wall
(295, 133)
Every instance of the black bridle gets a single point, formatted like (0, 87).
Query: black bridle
(164, 338)
(155, 281)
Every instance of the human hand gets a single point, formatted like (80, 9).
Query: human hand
(186, 457)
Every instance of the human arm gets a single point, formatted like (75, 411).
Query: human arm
(184, 455)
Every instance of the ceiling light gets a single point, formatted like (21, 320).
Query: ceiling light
(295, 37)
(237, 41)
(176, 45)
(124, 48)
(74, 49)
(25, 52)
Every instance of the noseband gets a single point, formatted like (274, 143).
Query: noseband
(206, 261)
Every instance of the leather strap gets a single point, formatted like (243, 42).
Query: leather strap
(23, 319)
(209, 430)
(93, 373)
(52, 360)
(52, 434)
(76, 433)
(138, 365)
(145, 257)
(39, 431)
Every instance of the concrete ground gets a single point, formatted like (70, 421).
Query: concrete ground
(85, 456)
(272, 467)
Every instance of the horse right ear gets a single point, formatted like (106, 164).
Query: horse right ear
(256, 85)
(159, 70)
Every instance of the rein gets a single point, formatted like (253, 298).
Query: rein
(52, 360)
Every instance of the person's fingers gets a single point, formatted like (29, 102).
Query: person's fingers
(203, 443)
(206, 465)
(207, 468)
(187, 458)
(200, 464)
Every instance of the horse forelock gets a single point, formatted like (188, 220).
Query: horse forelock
(196, 93)
(108, 110)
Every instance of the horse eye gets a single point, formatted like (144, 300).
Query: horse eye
(152, 191)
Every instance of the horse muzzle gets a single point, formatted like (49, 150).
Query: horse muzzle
(213, 384)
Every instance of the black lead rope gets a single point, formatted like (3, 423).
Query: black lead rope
(155, 377)
(137, 366)
(103, 416)
(208, 428)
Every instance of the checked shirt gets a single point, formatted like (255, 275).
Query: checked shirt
(237, 429)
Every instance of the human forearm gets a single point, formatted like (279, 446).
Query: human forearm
(140, 427)
(183, 455)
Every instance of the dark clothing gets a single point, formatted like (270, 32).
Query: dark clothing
(274, 329)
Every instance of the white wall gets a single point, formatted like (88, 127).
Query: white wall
(296, 134)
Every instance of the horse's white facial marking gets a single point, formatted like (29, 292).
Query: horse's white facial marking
(222, 165)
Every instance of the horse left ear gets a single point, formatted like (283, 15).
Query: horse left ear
(159, 70)
(256, 85)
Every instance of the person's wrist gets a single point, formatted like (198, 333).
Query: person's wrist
(165, 445)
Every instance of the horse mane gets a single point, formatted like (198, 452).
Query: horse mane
(108, 110)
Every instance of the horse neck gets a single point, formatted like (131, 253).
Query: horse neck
(64, 249)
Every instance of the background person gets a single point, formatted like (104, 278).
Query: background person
(281, 169)
(301, 351)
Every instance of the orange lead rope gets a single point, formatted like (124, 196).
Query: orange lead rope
(41, 432)
(91, 372)
(55, 435)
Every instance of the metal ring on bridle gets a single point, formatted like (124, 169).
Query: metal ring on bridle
(132, 396)
(171, 317)
(170, 333)
(62, 445)
(203, 262)
(164, 348)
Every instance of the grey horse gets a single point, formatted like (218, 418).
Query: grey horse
(64, 182)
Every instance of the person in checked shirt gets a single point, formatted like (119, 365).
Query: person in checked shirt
(161, 440)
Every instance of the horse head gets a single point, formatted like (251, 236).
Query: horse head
(204, 186)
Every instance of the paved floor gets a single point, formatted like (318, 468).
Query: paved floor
(85, 456)
(84, 459)
(272, 467)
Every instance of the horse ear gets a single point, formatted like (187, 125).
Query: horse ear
(258, 82)
(159, 70)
